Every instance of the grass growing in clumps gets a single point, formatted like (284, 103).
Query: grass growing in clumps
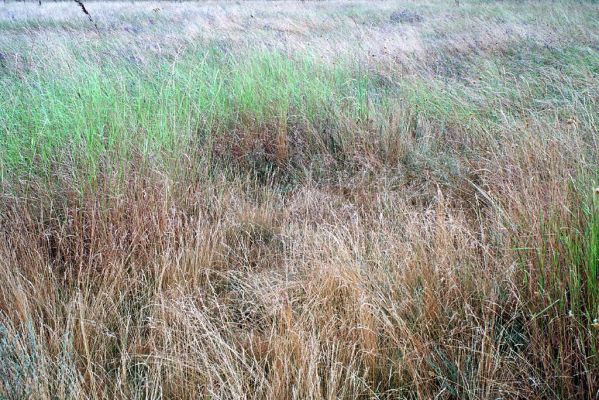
(299, 200)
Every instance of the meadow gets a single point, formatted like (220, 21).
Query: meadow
(299, 200)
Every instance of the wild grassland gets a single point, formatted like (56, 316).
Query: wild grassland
(299, 200)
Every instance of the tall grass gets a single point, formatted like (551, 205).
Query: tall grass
(281, 200)
(157, 107)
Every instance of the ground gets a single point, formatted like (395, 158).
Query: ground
(299, 199)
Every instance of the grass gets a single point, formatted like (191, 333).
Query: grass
(161, 108)
(299, 200)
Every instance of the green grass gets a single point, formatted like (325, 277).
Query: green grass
(159, 107)
(580, 257)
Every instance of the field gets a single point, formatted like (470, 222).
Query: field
(299, 200)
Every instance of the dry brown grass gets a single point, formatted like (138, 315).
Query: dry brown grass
(403, 264)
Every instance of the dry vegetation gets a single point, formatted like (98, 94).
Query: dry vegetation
(299, 200)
